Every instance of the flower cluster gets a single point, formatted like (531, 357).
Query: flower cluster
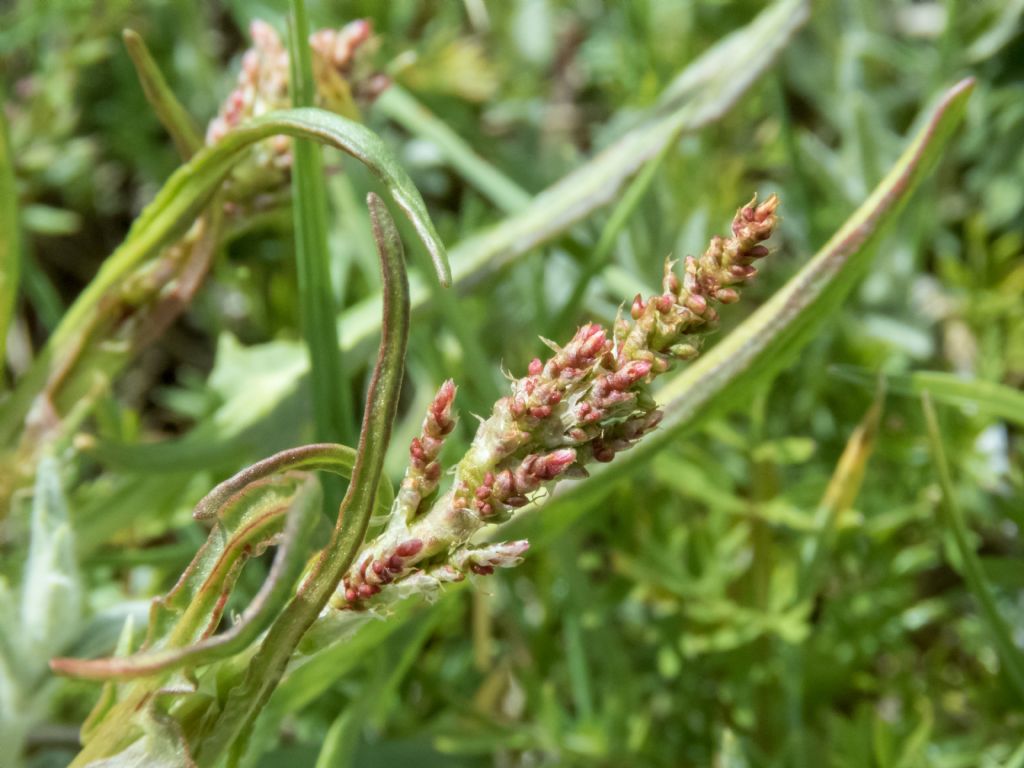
(587, 402)
(341, 73)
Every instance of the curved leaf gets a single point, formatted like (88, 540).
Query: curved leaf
(327, 457)
(267, 667)
(250, 509)
(182, 198)
(191, 611)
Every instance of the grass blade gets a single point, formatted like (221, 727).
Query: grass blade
(842, 490)
(332, 406)
(1011, 656)
(400, 106)
(172, 115)
(9, 246)
(996, 400)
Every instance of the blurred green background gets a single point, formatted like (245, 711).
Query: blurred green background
(662, 625)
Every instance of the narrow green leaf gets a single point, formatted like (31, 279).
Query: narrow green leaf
(1009, 654)
(400, 106)
(332, 406)
(840, 494)
(9, 247)
(327, 457)
(774, 334)
(987, 397)
(172, 115)
(108, 696)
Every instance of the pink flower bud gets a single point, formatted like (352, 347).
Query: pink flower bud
(696, 303)
(553, 464)
(440, 412)
(638, 307)
(416, 451)
(409, 548)
(504, 484)
(627, 375)
(368, 590)
(536, 366)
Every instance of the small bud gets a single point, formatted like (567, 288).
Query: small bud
(591, 340)
(536, 366)
(409, 548)
(638, 307)
(683, 351)
(550, 466)
(670, 281)
(727, 295)
(368, 590)
(696, 303)
(440, 412)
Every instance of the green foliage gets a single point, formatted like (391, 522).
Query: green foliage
(800, 567)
